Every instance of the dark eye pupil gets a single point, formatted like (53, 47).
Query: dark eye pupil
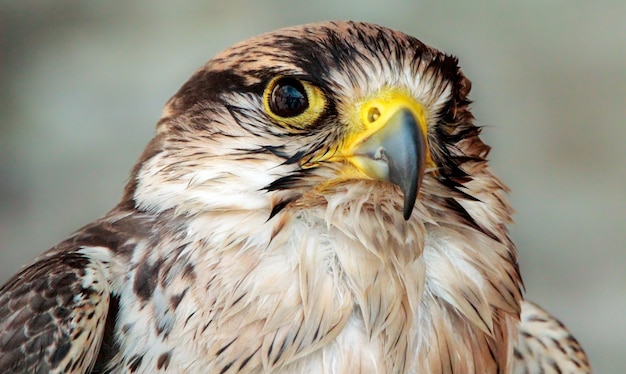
(288, 98)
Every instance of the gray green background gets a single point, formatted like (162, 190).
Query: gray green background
(82, 85)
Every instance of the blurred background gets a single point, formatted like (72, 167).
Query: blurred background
(82, 85)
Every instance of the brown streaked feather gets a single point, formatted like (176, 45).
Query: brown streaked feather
(52, 315)
(545, 345)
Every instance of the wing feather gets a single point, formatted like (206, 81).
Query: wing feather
(546, 346)
(52, 315)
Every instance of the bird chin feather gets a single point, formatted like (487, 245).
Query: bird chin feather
(443, 269)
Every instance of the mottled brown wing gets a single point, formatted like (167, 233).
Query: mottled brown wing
(52, 316)
(546, 346)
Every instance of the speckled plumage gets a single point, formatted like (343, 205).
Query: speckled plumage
(242, 245)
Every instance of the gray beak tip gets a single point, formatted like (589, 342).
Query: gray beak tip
(397, 154)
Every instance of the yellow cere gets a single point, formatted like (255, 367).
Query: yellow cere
(373, 113)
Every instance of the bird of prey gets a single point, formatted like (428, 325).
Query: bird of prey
(315, 200)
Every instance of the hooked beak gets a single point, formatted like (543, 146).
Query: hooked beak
(393, 146)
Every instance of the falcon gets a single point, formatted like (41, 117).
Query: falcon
(315, 200)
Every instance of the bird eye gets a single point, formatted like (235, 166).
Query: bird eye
(293, 103)
(288, 98)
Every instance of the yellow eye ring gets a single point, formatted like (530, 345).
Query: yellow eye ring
(293, 103)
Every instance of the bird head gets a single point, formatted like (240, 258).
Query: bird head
(349, 149)
(297, 116)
